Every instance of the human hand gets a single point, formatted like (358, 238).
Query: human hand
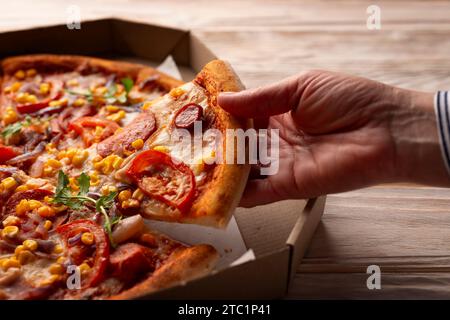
(340, 132)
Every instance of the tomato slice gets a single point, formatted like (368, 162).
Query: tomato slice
(163, 179)
(101, 257)
(55, 94)
(7, 153)
(80, 125)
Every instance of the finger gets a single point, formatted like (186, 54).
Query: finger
(259, 192)
(265, 101)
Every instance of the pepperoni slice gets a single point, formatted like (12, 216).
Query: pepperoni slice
(187, 115)
(140, 128)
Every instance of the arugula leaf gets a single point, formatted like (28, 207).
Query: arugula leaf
(84, 182)
(63, 192)
(64, 195)
(15, 128)
(105, 201)
(89, 95)
(128, 84)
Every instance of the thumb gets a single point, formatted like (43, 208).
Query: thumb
(265, 101)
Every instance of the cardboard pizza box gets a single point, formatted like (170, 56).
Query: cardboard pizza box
(278, 234)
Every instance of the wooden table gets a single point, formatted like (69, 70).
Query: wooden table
(403, 229)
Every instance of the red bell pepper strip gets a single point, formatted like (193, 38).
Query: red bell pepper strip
(55, 94)
(152, 171)
(80, 125)
(7, 153)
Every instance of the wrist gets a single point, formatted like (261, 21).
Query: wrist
(418, 156)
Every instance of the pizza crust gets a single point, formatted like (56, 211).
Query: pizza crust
(67, 63)
(183, 265)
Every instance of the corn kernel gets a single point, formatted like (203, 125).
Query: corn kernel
(34, 204)
(79, 158)
(31, 98)
(11, 263)
(22, 97)
(97, 158)
(10, 117)
(25, 257)
(9, 183)
(117, 162)
(72, 82)
(94, 178)
(84, 268)
(117, 116)
(138, 194)
(19, 249)
(10, 231)
(46, 212)
(137, 144)
(48, 171)
(20, 74)
(44, 88)
(61, 260)
(73, 184)
(54, 163)
(31, 72)
(112, 108)
(56, 268)
(130, 203)
(71, 152)
(98, 131)
(161, 149)
(21, 188)
(61, 102)
(124, 195)
(58, 249)
(22, 207)
(47, 224)
(147, 105)
(108, 189)
(61, 154)
(11, 221)
(16, 86)
(59, 208)
(87, 238)
(176, 92)
(79, 102)
(30, 244)
(100, 90)
(50, 280)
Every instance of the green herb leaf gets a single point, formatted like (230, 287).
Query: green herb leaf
(105, 201)
(15, 128)
(84, 182)
(89, 95)
(128, 84)
(64, 195)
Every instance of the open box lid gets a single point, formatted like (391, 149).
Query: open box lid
(278, 233)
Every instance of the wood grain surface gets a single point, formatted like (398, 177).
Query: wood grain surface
(403, 229)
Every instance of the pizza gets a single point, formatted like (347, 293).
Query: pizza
(89, 149)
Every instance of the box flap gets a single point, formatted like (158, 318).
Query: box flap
(264, 278)
(303, 231)
(266, 228)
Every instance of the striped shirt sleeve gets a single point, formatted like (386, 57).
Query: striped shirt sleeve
(441, 105)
